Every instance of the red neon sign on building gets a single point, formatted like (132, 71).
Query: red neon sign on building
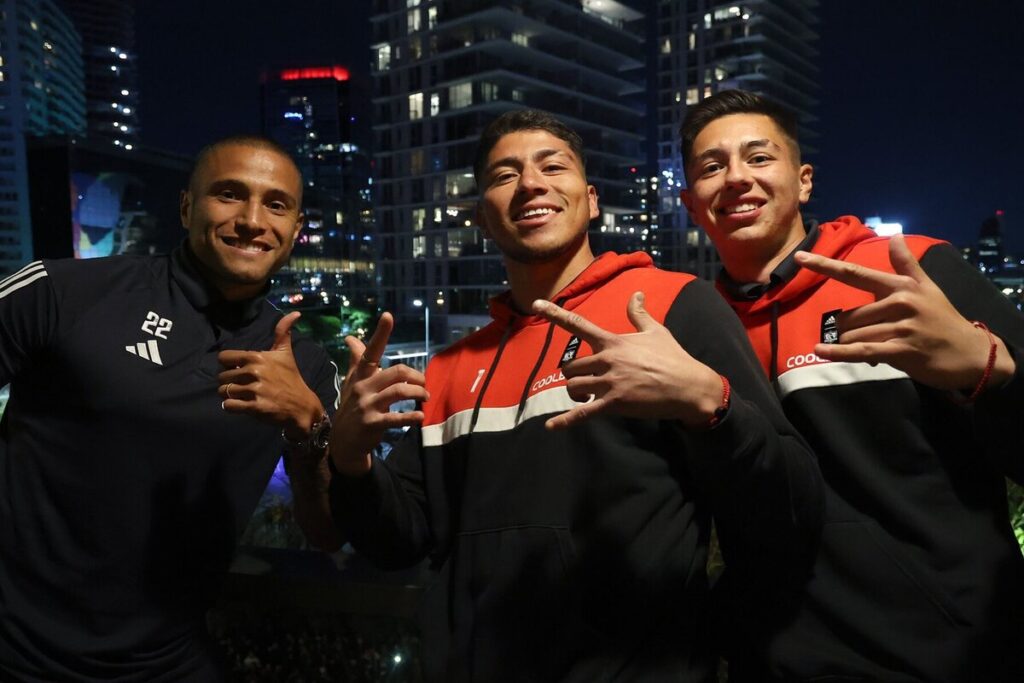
(338, 73)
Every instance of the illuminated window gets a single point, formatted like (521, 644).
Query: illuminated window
(383, 57)
(431, 17)
(691, 40)
(435, 104)
(416, 106)
(412, 3)
(666, 46)
(720, 73)
(517, 95)
(460, 95)
(419, 245)
(488, 92)
(413, 20)
(521, 39)
(419, 217)
(692, 96)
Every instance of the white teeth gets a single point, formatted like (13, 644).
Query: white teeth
(530, 213)
(740, 208)
(250, 246)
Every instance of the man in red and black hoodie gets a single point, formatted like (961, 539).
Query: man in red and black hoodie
(567, 459)
(898, 362)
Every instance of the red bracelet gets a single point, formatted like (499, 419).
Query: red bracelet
(988, 366)
(721, 410)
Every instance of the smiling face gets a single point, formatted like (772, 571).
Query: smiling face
(746, 185)
(535, 202)
(242, 215)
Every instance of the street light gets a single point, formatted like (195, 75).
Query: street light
(419, 303)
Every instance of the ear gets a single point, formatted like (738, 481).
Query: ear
(806, 182)
(185, 207)
(300, 223)
(478, 216)
(684, 196)
(592, 202)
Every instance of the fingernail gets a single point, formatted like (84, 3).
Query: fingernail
(540, 305)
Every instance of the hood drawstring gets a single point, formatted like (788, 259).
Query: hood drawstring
(490, 373)
(536, 366)
(773, 367)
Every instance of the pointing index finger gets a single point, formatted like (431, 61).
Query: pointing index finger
(875, 281)
(573, 322)
(379, 340)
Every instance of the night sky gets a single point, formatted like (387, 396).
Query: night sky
(921, 100)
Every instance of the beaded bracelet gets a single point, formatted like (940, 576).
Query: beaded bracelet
(988, 366)
(721, 410)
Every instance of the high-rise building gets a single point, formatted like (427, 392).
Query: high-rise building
(318, 114)
(107, 28)
(442, 70)
(41, 93)
(704, 46)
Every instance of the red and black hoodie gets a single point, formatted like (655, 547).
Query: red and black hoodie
(919, 576)
(579, 555)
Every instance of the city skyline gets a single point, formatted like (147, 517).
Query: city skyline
(906, 73)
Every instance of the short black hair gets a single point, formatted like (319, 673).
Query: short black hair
(244, 140)
(519, 120)
(729, 102)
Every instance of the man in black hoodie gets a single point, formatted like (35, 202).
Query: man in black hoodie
(900, 365)
(562, 475)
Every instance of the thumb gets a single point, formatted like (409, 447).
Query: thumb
(283, 332)
(638, 315)
(903, 261)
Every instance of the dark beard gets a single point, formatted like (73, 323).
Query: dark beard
(531, 257)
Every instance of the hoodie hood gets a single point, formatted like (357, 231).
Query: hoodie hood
(601, 270)
(835, 240)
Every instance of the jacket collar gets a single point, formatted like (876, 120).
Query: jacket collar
(601, 270)
(203, 297)
(834, 239)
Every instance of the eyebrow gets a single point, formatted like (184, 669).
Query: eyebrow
(272, 193)
(746, 146)
(539, 155)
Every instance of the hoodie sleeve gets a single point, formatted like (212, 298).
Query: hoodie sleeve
(383, 513)
(998, 427)
(755, 472)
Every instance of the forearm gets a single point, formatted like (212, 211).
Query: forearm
(381, 519)
(310, 481)
(757, 475)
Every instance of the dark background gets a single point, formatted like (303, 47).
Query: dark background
(921, 100)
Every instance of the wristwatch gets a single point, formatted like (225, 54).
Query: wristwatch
(319, 435)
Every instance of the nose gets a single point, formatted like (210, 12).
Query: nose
(250, 215)
(737, 173)
(531, 180)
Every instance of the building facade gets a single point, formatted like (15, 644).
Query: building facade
(107, 28)
(318, 114)
(41, 93)
(442, 70)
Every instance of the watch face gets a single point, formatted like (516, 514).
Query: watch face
(321, 433)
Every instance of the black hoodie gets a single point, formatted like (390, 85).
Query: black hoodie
(919, 576)
(579, 555)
